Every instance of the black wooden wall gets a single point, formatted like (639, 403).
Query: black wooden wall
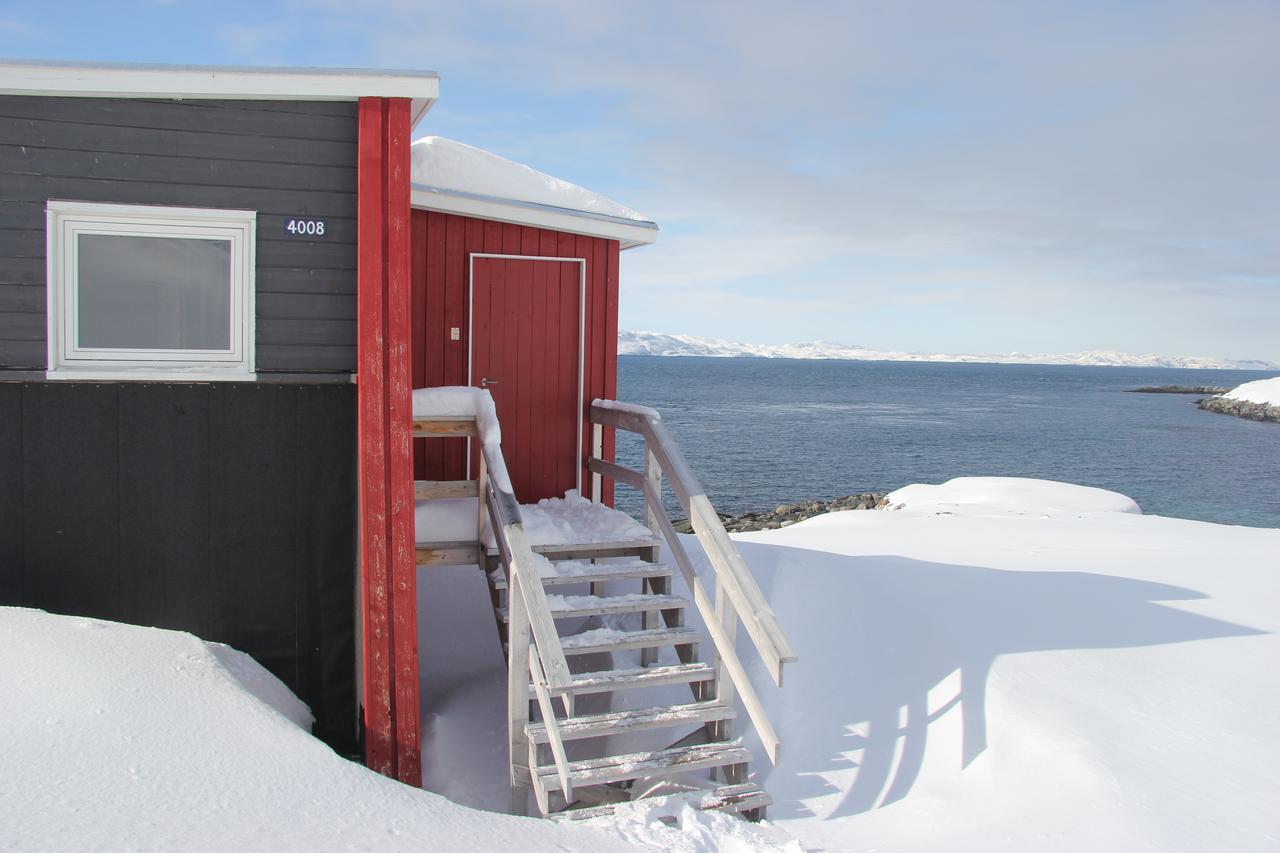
(283, 159)
(227, 510)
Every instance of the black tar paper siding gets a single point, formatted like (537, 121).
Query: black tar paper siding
(223, 509)
(282, 159)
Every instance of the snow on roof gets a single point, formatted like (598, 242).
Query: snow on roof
(446, 172)
(149, 80)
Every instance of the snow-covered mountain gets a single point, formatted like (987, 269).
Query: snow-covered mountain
(660, 343)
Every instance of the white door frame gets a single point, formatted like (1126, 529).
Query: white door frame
(582, 335)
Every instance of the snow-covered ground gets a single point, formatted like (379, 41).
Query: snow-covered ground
(1264, 391)
(1012, 665)
(995, 665)
(115, 737)
(660, 343)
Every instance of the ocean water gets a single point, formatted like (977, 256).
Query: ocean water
(762, 432)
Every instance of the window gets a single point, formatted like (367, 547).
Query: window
(139, 292)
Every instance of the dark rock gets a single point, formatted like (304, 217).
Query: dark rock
(1179, 389)
(1241, 409)
(785, 515)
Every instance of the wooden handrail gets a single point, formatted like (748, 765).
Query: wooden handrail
(527, 608)
(528, 613)
(518, 557)
(720, 636)
(731, 570)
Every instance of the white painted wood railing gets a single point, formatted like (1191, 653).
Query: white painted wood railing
(737, 596)
(534, 651)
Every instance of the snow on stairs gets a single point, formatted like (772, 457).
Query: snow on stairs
(577, 606)
(632, 720)
(706, 768)
(610, 680)
(743, 797)
(664, 762)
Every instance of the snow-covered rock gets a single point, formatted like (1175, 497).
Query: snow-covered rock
(660, 343)
(445, 164)
(1256, 401)
(1265, 391)
(1006, 495)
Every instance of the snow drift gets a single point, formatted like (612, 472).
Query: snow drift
(999, 665)
(1010, 495)
(982, 674)
(116, 737)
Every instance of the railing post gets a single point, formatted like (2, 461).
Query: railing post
(652, 473)
(481, 493)
(722, 730)
(517, 686)
(597, 450)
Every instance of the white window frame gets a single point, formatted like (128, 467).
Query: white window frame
(66, 220)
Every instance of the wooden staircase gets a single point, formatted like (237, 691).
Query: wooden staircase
(602, 664)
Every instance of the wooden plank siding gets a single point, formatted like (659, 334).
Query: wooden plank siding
(442, 244)
(283, 159)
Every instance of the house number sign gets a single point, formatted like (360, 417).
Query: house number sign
(305, 228)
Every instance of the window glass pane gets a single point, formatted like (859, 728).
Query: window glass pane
(154, 292)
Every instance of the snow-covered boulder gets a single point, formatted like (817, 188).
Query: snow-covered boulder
(1257, 401)
(1021, 496)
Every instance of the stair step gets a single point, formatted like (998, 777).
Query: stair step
(620, 722)
(726, 798)
(609, 680)
(571, 606)
(643, 765)
(586, 550)
(583, 571)
(609, 640)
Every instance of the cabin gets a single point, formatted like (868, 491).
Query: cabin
(265, 360)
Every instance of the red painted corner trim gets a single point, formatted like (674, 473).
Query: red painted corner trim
(389, 686)
(399, 391)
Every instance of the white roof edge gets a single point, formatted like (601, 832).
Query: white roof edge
(628, 232)
(217, 82)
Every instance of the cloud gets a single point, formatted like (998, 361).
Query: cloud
(1057, 153)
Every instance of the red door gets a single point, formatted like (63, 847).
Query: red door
(526, 348)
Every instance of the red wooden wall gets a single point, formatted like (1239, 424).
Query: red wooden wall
(441, 244)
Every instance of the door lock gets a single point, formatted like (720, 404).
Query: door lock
(486, 382)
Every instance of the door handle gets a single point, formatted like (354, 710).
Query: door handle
(486, 382)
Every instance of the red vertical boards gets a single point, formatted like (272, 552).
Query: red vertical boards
(517, 344)
(385, 332)
(529, 341)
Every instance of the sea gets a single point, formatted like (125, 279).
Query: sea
(763, 432)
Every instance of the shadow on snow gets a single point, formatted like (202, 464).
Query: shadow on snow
(904, 627)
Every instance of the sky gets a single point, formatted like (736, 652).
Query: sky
(932, 177)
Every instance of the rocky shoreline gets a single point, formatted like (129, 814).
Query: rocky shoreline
(1241, 409)
(1179, 389)
(788, 514)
